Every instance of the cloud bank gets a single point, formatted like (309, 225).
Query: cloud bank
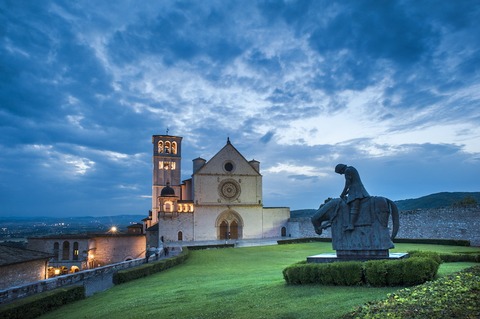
(390, 87)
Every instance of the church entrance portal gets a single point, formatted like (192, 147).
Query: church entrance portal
(229, 226)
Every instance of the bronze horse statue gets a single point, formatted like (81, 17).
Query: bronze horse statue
(370, 236)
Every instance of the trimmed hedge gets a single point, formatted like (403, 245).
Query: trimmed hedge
(201, 247)
(39, 304)
(378, 273)
(452, 296)
(147, 269)
(303, 240)
(448, 242)
(464, 257)
(342, 273)
(433, 241)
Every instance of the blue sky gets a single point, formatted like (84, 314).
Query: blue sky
(390, 87)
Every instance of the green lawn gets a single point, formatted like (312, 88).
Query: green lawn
(236, 283)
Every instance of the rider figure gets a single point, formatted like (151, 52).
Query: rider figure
(355, 190)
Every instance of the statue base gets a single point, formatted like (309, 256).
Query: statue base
(355, 255)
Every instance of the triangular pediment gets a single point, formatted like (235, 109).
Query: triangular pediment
(228, 161)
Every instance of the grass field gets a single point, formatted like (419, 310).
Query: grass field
(236, 283)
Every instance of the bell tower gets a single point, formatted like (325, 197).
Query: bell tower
(167, 152)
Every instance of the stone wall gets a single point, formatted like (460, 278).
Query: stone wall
(445, 223)
(92, 276)
(21, 273)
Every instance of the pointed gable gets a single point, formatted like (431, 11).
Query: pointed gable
(228, 161)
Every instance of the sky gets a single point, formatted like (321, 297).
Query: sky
(389, 87)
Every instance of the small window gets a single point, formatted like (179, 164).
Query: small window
(75, 251)
(228, 166)
(180, 236)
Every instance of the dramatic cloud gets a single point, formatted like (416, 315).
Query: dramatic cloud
(391, 87)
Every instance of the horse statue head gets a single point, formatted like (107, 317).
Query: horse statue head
(325, 214)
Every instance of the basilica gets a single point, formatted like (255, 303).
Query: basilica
(221, 201)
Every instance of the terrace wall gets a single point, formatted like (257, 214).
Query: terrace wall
(94, 280)
(444, 223)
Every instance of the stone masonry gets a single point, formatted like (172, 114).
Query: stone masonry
(444, 223)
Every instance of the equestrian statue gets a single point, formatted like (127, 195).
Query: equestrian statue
(359, 222)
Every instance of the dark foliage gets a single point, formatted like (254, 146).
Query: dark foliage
(37, 305)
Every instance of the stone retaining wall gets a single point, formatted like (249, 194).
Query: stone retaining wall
(445, 223)
(94, 277)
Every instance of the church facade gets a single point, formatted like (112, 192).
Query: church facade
(223, 199)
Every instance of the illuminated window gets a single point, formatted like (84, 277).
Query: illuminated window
(168, 207)
(174, 147)
(75, 251)
(167, 147)
(166, 165)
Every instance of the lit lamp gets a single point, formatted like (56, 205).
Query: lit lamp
(113, 229)
(56, 271)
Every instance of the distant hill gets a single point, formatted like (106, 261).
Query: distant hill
(438, 200)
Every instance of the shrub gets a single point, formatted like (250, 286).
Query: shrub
(395, 273)
(417, 270)
(303, 240)
(341, 273)
(460, 257)
(431, 254)
(449, 242)
(453, 296)
(39, 304)
(144, 270)
(377, 273)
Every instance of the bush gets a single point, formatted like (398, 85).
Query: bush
(417, 270)
(303, 240)
(39, 304)
(465, 257)
(448, 242)
(431, 254)
(377, 273)
(144, 270)
(340, 273)
(453, 296)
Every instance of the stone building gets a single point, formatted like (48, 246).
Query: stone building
(84, 251)
(21, 266)
(222, 200)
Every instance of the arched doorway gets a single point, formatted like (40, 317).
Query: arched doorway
(284, 231)
(180, 236)
(229, 225)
